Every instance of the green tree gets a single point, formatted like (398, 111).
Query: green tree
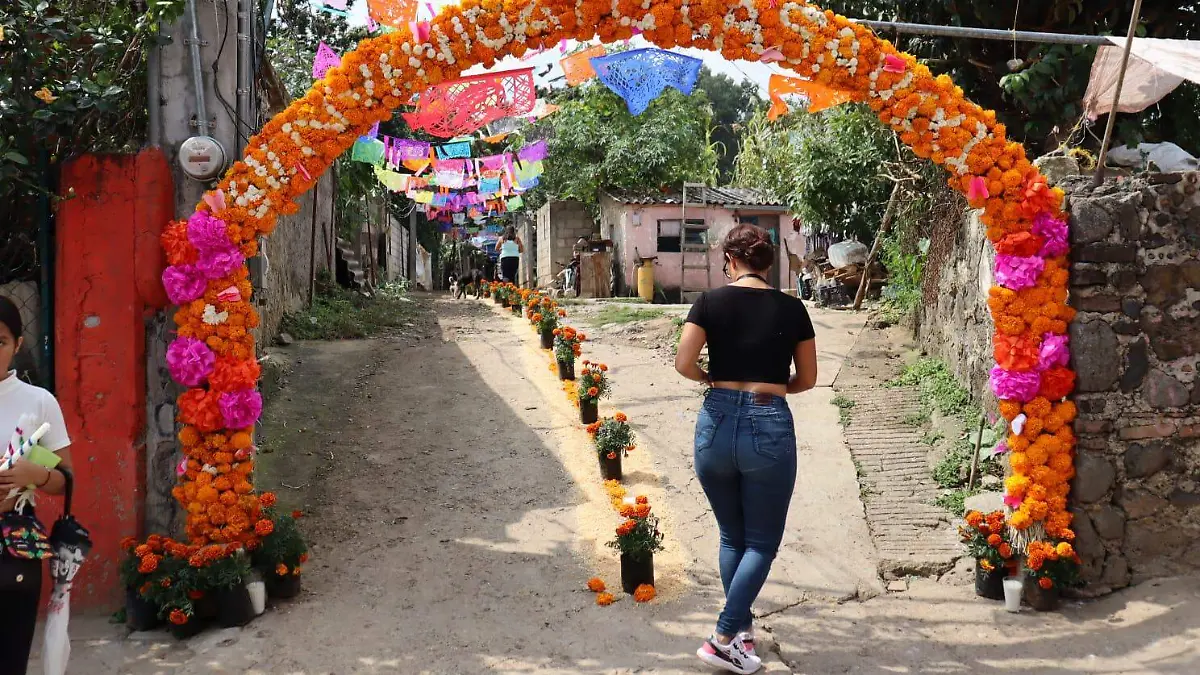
(1039, 97)
(829, 168)
(594, 143)
(733, 104)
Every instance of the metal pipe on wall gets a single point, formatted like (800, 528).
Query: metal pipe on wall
(244, 111)
(193, 42)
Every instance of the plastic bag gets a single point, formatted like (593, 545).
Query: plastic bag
(847, 253)
(1167, 157)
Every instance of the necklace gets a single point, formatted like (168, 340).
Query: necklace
(751, 276)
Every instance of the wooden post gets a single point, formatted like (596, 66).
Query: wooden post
(1112, 114)
(886, 225)
(312, 249)
(975, 455)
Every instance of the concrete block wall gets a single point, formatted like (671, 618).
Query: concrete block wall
(559, 226)
(289, 252)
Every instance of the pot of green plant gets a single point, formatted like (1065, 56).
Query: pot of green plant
(636, 570)
(547, 336)
(283, 587)
(234, 607)
(1041, 599)
(610, 466)
(193, 627)
(140, 613)
(989, 583)
(566, 370)
(589, 411)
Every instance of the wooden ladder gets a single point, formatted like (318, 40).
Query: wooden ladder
(693, 257)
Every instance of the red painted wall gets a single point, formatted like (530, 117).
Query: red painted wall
(107, 277)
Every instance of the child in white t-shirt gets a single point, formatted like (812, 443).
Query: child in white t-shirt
(21, 579)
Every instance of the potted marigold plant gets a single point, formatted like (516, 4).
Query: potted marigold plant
(593, 386)
(138, 573)
(987, 542)
(566, 348)
(227, 577)
(1050, 567)
(280, 554)
(614, 440)
(638, 539)
(545, 320)
(175, 590)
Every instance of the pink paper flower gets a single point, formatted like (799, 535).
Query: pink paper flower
(1011, 385)
(1055, 232)
(771, 55)
(241, 409)
(215, 201)
(183, 283)
(894, 64)
(215, 263)
(1013, 502)
(206, 231)
(1017, 273)
(978, 192)
(181, 468)
(1000, 449)
(1054, 352)
(190, 361)
(231, 294)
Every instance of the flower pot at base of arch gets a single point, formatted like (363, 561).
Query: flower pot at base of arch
(566, 370)
(234, 606)
(140, 613)
(611, 468)
(635, 572)
(547, 337)
(1041, 599)
(282, 587)
(589, 411)
(192, 628)
(989, 585)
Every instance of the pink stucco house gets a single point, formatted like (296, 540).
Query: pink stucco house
(685, 240)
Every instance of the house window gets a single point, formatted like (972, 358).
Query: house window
(695, 235)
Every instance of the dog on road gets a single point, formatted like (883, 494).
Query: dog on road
(474, 278)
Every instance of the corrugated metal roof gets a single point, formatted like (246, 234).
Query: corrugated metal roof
(726, 196)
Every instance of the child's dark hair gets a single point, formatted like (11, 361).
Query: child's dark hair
(750, 245)
(10, 316)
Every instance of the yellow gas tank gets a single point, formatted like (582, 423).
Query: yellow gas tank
(645, 279)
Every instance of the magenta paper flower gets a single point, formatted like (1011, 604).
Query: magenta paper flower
(978, 191)
(894, 64)
(215, 263)
(1012, 502)
(1055, 232)
(190, 361)
(206, 231)
(241, 408)
(1054, 352)
(1000, 449)
(183, 283)
(1016, 273)
(1012, 385)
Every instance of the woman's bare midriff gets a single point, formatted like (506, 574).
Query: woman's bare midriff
(753, 387)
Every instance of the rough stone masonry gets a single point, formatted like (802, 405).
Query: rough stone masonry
(1135, 280)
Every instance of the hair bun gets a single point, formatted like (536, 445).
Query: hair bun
(750, 245)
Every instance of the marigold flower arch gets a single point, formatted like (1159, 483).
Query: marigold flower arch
(214, 354)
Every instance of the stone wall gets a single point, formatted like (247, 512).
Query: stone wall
(288, 251)
(1136, 347)
(1135, 281)
(559, 226)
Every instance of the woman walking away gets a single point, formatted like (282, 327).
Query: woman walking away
(20, 560)
(511, 248)
(745, 451)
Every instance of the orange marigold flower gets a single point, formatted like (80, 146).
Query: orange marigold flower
(1046, 583)
(267, 499)
(148, 564)
(297, 515)
(128, 543)
(178, 617)
(644, 593)
(974, 518)
(596, 585)
(612, 455)
(281, 569)
(603, 367)
(593, 392)
(993, 540)
(195, 594)
(264, 527)
(643, 499)
(165, 583)
(605, 599)
(1005, 550)
(620, 417)
(626, 527)
(1065, 550)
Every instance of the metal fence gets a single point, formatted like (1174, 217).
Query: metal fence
(26, 278)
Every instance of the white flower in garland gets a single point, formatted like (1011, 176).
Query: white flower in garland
(213, 318)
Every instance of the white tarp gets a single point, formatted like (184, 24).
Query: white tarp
(1156, 68)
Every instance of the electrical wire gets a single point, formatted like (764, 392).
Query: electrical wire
(243, 129)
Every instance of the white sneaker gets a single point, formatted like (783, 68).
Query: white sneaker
(747, 638)
(732, 657)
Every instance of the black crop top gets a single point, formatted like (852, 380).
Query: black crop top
(752, 332)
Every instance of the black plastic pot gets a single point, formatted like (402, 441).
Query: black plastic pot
(989, 585)
(234, 607)
(282, 587)
(566, 370)
(589, 411)
(611, 468)
(192, 628)
(634, 573)
(547, 339)
(1041, 599)
(205, 607)
(140, 615)
(516, 309)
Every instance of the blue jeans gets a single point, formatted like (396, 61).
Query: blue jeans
(746, 461)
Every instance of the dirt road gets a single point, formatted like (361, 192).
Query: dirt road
(455, 512)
